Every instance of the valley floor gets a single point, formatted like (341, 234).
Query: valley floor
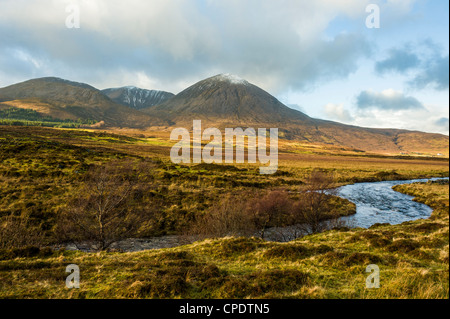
(40, 170)
(412, 257)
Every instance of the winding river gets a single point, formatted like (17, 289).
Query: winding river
(377, 202)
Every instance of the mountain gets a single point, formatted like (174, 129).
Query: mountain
(228, 101)
(220, 101)
(137, 98)
(63, 99)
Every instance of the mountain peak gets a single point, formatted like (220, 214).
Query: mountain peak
(226, 98)
(230, 78)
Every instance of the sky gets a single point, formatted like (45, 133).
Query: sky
(319, 57)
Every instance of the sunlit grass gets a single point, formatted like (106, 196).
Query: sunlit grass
(39, 168)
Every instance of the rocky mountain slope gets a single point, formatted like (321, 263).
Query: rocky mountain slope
(137, 98)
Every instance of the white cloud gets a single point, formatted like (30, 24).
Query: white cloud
(337, 112)
(427, 119)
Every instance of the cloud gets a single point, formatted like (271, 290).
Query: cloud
(338, 112)
(424, 62)
(387, 100)
(443, 122)
(399, 60)
(275, 44)
(429, 119)
(434, 74)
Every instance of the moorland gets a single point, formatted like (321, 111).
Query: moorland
(47, 173)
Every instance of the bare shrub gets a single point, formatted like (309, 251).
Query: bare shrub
(101, 211)
(229, 217)
(246, 214)
(270, 210)
(274, 215)
(312, 213)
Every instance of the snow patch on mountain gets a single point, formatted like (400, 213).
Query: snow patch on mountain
(230, 78)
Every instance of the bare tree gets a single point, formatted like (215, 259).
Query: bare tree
(312, 214)
(100, 212)
(270, 210)
(229, 217)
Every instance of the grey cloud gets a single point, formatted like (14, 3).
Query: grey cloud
(429, 66)
(387, 100)
(434, 74)
(443, 122)
(178, 42)
(399, 60)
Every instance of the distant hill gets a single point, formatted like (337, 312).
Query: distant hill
(137, 98)
(65, 99)
(228, 101)
(220, 101)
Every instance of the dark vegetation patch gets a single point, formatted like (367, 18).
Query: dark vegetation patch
(294, 252)
(356, 259)
(25, 117)
(26, 252)
(421, 254)
(263, 284)
(288, 252)
(239, 246)
(388, 175)
(375, 239)
(219, 167)
(428, 227)
(403, 246)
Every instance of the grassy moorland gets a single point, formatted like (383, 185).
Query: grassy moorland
(412, 257)
(42, 170)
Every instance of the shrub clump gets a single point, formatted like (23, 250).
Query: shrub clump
(355, 258)
(238, 246)
(278, 280)
(428, 227)
(288, 252)
(166, 286)
(263, 284)
(403, 245)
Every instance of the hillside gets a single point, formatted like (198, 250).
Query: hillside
(227, 101)
(220, 101)
(64, 99)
